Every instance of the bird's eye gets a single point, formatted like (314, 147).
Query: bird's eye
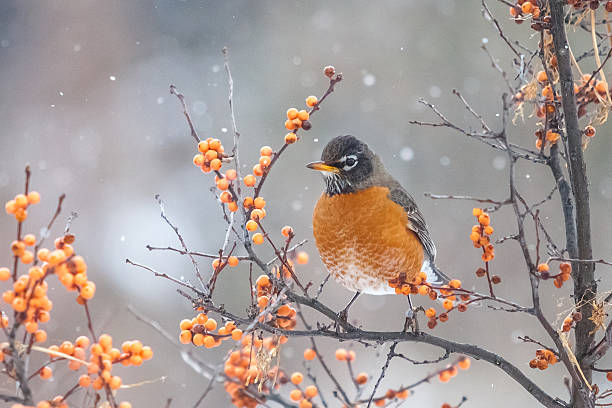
(349, 162)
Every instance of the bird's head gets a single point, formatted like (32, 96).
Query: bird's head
(348, 165)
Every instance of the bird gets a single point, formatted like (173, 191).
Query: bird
(367, 227)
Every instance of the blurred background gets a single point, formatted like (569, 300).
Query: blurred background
(85, 102)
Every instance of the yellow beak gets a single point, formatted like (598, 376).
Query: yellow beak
(321, 166)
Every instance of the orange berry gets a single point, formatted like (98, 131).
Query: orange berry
(341, 354)
(297, 378)
(464, 363)
(297, 123)
(46, 373)
(5, 274)
(214, 144)
(211, 324)
(609, 375)
(447, 304)
(296, 395)
(258, 170)
(249, 180)
(232, 261)
(185, 337)
(231, 174)
(263, 301)
(565, 267)
(211, 155)
(488, 230)
(198, 160)
(543, 267)
(444, 376)
(527, 7)
(287, 231)
(186, 324)
(232, 206)
(303, 115)
(379, 402)
(223, 184)
(541, 76)
(455, 283)
(251, 225)
(146, 353)
(215, 164)
(311, 100)
(258, 238)
(289, 124)
(10, 207)
(257, 214)
(309, 354)
(263, 280)
(589, 131)
(88, 291)
(265, 151)
(225, 197)
(31, 327)
(305, 404)
(259, 202)
(302, 258)
(601, 87)
(209, 341)
(29, 240)
(236, 334)
(203, 146)
(361, 378)
(292, 113)
(198, 339)
(264, 161)
(82, 342)
(552, 136)
(484, 219)
(105, 341)
(476, 212)
(84, 381)
(290, 138)
(19, 304)
(21, 201)
(40, 336)
(21, 215)
(248, 202)
(115, 382)
(431, 312)
(311, 391)
(125, 404)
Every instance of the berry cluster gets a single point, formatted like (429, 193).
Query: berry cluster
(200, 331)
(28, 297)
(569, 322)
(543, 358)
(19, 205)
(211, 155)
(481, 234)
(565, 271)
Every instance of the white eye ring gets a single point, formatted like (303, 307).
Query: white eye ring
(350, 162)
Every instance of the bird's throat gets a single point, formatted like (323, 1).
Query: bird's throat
(337, 184)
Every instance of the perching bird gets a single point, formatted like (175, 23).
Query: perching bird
(367, 227)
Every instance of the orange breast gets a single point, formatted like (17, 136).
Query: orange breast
(364, 240)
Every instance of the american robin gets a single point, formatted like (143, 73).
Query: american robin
(367, 228)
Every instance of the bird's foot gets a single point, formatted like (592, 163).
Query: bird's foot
(412, 321)
(341, 322)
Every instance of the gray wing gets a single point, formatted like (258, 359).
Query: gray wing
(416, 222)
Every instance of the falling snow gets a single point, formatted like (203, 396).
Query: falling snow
(369, 79)
(406, 153)
(445, 161)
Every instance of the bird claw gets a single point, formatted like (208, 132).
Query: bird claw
(411, 321)
(342, 317)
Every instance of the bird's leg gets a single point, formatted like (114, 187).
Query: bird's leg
(343, 314)
(411, 318)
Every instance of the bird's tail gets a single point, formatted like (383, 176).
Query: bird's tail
(434, 275)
